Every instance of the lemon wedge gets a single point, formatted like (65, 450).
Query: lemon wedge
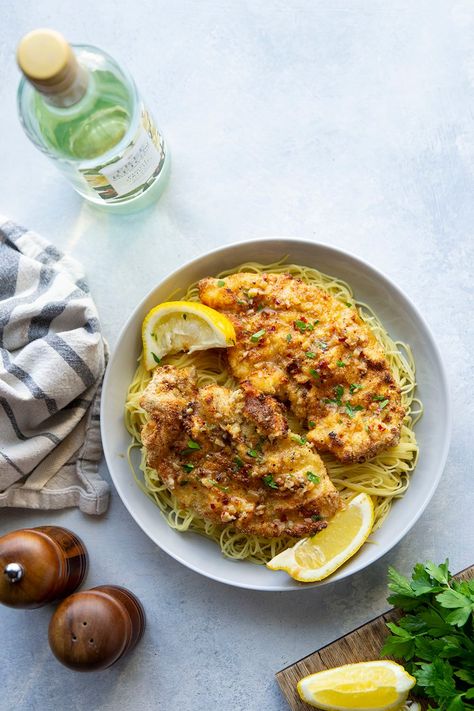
(315, 558)
(368, 686)
(176, 326)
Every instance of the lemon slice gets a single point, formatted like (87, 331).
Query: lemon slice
(367, 686)
(315, 558)
(176, 326)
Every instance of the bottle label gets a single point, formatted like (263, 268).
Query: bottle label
(136, 167)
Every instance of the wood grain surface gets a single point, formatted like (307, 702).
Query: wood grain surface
(361, 645)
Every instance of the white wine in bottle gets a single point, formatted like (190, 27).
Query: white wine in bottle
(83, 110)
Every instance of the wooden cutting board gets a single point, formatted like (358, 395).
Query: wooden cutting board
(361, 645)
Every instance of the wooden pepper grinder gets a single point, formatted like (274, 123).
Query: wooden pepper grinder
(40, 565)
(93, 629)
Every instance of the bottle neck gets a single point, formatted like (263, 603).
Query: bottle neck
(69, 94)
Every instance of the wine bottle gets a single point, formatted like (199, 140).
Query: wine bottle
(83, 110)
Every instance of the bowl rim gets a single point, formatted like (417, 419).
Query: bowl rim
(443, 386)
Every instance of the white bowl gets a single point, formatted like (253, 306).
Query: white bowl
(403, 322)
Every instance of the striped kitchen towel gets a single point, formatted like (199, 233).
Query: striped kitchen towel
(51, 367)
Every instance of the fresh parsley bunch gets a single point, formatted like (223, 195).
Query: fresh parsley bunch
(436, 636)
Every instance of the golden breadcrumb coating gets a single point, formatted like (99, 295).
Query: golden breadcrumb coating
(300, 344)
(228, 456)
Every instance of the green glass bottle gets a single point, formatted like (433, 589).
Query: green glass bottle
(83, 110)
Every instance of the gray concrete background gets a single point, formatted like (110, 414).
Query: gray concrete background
(349, 122)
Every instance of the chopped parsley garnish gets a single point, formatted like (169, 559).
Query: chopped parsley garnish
(242, 303)
(341, 364)
(314, 478)
(378, 398)
(257, 336)
(155, 358)
(339, 392)
(260, 307)
(310, 354)
(221, 282)
(351, 410)
(354, 387)
(188, 467)
(219, 486)
(252, 453)
(302, 326)
(383, 404)
(192, 447)
(311, 424)
(316, 322)
(314, 373)
(289, 337)
(269, 481)
(238, 462)
(301, 439)
(316, 517)
(347, 303)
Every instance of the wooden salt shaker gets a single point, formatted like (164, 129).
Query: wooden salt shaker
(40, 565)
(93, 629)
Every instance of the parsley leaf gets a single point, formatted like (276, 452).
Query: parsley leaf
(289, 337)
(351, 410)
(337, 400)
(221, 282)
(314, 478)
(192, 446)
(253, 453)
(219, 486)
(188, 467)
(302, 326)
(310, 354)
(269, 481)
(461, 604)
(341, 364)
(257, 336)
(301, 439)
(311, 424)
(354, 387)
(155, 358)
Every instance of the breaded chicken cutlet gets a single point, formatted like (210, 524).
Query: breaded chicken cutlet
(228, 456)
(300, 344)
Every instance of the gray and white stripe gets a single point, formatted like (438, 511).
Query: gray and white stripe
(52, 358)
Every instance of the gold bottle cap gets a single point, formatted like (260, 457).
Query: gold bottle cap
(48, 62)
